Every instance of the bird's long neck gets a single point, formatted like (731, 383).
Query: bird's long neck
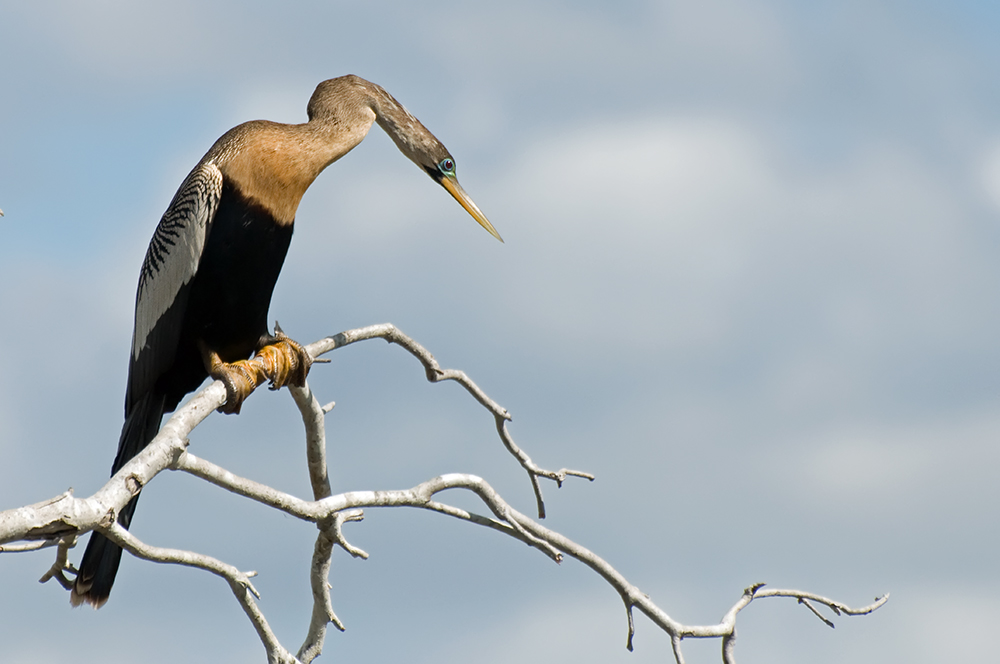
(274, 164)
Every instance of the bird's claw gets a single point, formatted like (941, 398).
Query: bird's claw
(285, 361)
(241, 378)
(281, 362)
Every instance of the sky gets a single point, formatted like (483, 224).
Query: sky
(749, 280)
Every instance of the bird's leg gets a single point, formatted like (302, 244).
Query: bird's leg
(285, 361)
(241, 378)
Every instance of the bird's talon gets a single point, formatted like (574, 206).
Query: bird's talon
(240, 380)
(285, 362)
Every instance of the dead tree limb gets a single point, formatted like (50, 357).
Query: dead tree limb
(60, 520)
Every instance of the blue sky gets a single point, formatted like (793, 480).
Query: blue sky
(749, 280)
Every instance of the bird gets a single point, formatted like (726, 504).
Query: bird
(206, 281)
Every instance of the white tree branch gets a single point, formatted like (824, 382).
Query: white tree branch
(239, 582)
(58, 521)
(436, 374)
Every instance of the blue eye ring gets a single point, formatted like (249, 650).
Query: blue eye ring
(447, 166)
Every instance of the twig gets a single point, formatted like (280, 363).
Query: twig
(29, 546)
(337, 532)
(61, 563)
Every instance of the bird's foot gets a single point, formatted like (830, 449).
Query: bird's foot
(241, 378)
(285, 361)
(281, 362)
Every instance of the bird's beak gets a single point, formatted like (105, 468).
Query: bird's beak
(455, 189)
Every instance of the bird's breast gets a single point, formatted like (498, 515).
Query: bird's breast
(231, 292)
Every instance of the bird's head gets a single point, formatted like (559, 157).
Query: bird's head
(443, 172)
(421, 146)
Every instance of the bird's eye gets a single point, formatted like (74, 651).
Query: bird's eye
(447, 166)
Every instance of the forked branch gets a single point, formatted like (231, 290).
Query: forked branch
(58, 521)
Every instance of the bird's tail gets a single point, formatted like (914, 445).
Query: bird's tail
(100, 561)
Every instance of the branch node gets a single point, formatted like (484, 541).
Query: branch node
(134, 484)
(335, 531)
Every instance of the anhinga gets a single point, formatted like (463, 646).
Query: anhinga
(206, 282)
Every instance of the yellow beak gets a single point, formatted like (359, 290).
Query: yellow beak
(455, 189)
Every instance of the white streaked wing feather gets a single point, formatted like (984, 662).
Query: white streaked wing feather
(175, 250)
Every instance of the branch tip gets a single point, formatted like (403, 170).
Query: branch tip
(631, 625)
(805, 602)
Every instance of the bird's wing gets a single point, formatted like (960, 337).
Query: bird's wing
(171, 263)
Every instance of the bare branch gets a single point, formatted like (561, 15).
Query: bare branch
(65, 515)
(322, 612)
(29, 546)
(515, 524)
(239, 583)
(838, 607)
(313, 417)
(729, 648)
(436, 374)
(58, 521)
